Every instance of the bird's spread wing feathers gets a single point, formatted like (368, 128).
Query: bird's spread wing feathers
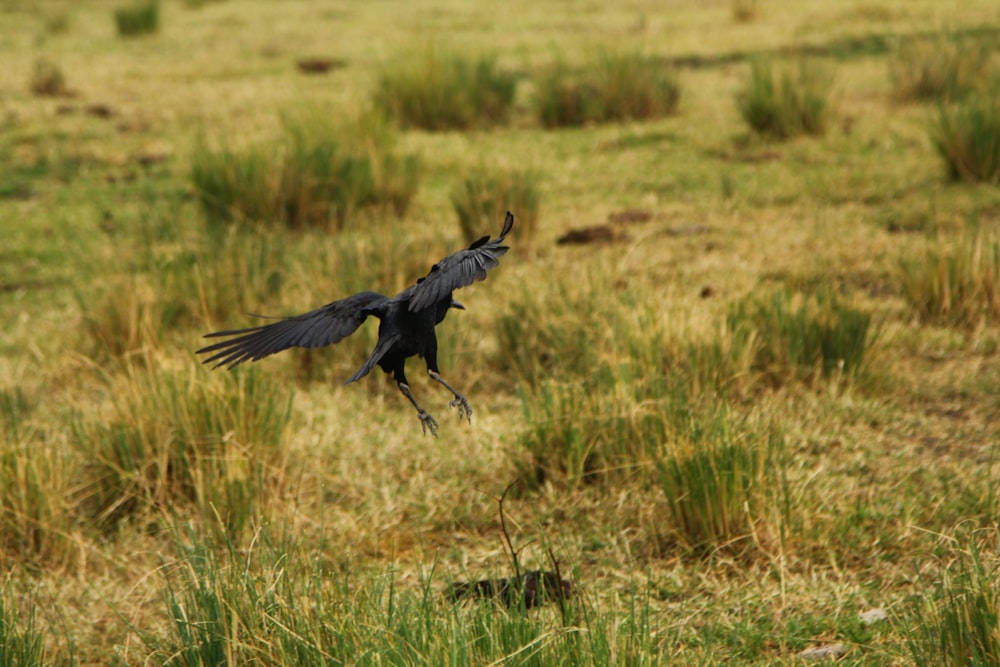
(459, 269)
(324, 326)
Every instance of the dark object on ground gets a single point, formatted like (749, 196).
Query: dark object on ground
(536, 587)
(319, 65)
(596, 234)
(406, 326)
(629, 216)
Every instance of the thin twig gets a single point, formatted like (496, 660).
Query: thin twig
(506, 534)
(561, 595)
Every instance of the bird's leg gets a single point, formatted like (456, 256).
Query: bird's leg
(426, 421)
(460, 402)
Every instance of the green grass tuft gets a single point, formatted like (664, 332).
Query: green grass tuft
(214, 444)
(319, 175)
(797, 337)
(141, 18)
(21, 641)
(717, 477)
(956, 621)
(485, 195)
(617, 87)
(743, 11)
(942, 68)
(967, 136)
(35, 477)
(444, 90)
(955, 281)
(779, 102)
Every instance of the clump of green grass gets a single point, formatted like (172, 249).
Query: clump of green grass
(943, 68)
(47, 79)
(717, 476)
(57, 22)
(743, 11)
(587, 432)
(967, 136)
(955, 281)
(957, 619)
(783, 102)
(125, 319)
(485, 195)
(597, 400)
(213, 443)
(318, 176)
(140, 18)
(618, 87)
(443, 90)
(21, 642)
(795, 336)
(36, 476)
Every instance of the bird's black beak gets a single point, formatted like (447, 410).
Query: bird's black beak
(456, 304)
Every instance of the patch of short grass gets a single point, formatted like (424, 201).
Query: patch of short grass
(941, 68)
(440, 89)
(955, 280)
(483, 197)
(798, 336)
(318, 175)
(614, 87)
(209, 442)
(785, 100)
(140, 18)
(967, 136)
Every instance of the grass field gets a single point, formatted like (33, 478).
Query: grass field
(768, 404)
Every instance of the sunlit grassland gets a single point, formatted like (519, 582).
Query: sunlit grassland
(768, 408)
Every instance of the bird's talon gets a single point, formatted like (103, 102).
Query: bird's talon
(464, 408)
(428, 423)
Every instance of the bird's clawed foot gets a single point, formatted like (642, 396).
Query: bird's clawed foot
(464, 409)
(427, 422)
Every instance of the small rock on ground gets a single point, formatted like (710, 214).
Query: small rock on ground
(825, 652)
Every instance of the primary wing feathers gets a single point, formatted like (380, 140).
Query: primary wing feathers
(317, 328)
(460, 269)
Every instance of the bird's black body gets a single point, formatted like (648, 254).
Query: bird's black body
(406, 323)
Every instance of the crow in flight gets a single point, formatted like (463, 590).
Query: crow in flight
(406, 323)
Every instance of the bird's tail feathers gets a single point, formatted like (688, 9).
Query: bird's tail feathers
(383, 346)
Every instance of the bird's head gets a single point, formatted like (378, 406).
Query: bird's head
(456, 304)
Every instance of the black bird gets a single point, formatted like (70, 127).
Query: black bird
(406, 326)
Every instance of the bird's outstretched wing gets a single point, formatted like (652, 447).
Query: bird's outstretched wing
(324, 326)
(460, 269)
